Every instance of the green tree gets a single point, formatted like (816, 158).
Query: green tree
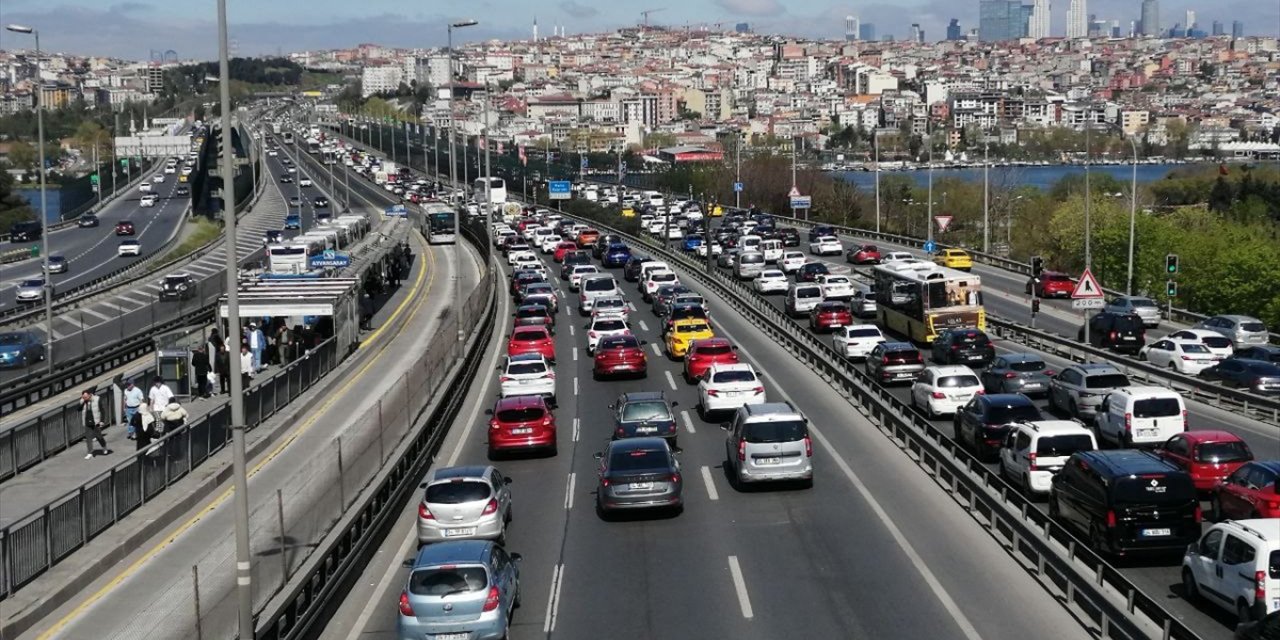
(1221, 196)
(12, 207)
(23, 155)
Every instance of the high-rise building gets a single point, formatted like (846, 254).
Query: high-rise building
(1190, 22)
(1237, 29)
(1115, 29)
(1217, 28)
(1077, 25)
(742, 27)
(1151, 18)
(953, 30)
(917, 34)
(867, 31)
(851, 28)
(1038, 25)
(1002, 20)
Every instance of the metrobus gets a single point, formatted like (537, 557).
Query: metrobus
(920, 299)
(313, 146)
(441, 219)
(292, 257)
(288, 137)
(497, 192)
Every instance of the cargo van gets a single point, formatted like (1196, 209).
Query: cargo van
(1141, 416)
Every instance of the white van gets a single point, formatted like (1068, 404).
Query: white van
(1033, 452)
(748, 265)
(654, 198)
(772, 250)
(750, 243)
(802, 298)
(648, 267)
(1133, 416)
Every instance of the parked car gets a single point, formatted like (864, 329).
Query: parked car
(1025, 373)
(465, 587)
(638, 473)
(20, 348)
(1251, 491)
(1244, 331)
(768, 443)
(1236, 566)
(1209, 455)
(982, 423)
(1034, 452)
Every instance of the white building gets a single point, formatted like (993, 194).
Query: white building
(1077, 19)
(1038, 24)
(380, 79)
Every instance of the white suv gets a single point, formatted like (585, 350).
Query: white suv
(1236, 565)
(528, 374)
(1033, 452)
(943, 390)
(725, 387)
(856, 341)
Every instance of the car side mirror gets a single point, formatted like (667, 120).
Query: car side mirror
(422, 485)
(506, 480)
(516, 557)
(598, 456)
(724, 425)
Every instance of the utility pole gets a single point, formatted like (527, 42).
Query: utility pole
(457, 255)
(1133, 216)
(794, 152)
(928, 223)
(488, 177)
(986, 199)
(737, 161)
(875, 144)
(1088, 229)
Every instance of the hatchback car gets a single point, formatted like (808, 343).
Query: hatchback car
(465, 589)
(604, 326)
(522, 423)
(536, 314)
(826, 246)
(1244, 331)
(835, 287)
(1184, 356)
(177, 286)
(1017, 373)
(982, 423)
(459, 503)
(830, 315)
(863, 254)
(58, 264)
(20, 348)
(532, 340)
(528, 374)
(1051, 284)
(969, 347)
(702, 354)
(944, 390)
(640, 414)
(1209, 455)
(1252, 491)
(856, 341)
(638, 473)
(129, 248)
(1141, 306)
(619, 355)
(891, 362)
(124, 228)
(810, 271)
(725, 387)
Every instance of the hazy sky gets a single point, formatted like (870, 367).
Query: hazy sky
(134, 29)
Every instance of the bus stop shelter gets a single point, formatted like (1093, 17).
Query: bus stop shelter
(328, 306)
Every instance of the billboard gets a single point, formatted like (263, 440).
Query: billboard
(152, 146)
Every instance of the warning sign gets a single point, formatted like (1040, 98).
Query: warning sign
(1087, 287)
(943, 223)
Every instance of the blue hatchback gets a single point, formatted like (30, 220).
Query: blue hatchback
(293, 221)
(616, 255)
(691, 243)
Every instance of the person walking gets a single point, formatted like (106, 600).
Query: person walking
(246, 367)
(257, 344)
(222, 365)
(143, 426)
(284, 344)
(160, 394)
(172, 418)
(200, 368)
(91, 418)
(133, 398)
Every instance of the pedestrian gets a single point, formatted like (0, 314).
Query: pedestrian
(91, 419)
(143, 425)
(366, 311)
(215, 340)
(172, 418)
(284, 342)
(200, 367)
(257, 343)
(160, 394)
(222, 365)
(246, 367)
(133, 398)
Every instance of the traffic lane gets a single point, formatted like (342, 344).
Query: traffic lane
(941, 534)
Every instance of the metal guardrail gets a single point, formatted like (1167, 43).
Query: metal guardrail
(38, 541)
(1029, 534)
(52, 431)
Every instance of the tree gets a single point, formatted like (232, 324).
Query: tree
(12, 207)
(23, 155)
(1221, 196)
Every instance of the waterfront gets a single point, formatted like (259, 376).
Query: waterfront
(1041, 177)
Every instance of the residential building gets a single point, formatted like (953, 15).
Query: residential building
(380, 79)
(1077, 27)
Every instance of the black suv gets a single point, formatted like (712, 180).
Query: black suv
(641, 414)
(1122, 332)
(631, 270)
(810, 271)
(320, 201)
(87, 220)
(1125, 501)
(963, 346)
(24, 232)
(177, 286)
(982, 424)
(821, 230)
(789, 236)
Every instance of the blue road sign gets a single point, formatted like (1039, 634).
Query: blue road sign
(584, 162)
(801, 202)
(397, 211)
(930, 246)
(560, 189)
(737, 187)
(330, 258)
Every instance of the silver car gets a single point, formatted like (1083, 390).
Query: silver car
(1142, 306)
(30, 291)
(460, 503)
(594, 287)
(1080, 388)
(460, 590)
(638, 473)
(1017, 373)
(1243, 330)
(769, 442)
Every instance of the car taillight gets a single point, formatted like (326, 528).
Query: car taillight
(938, 395)
(955, 347)
(675, 477)
(1010, 375)
(424, 513)
(1184, 419)
(742, 450)
(713, 393)
(1128, 422)
(808, 447)
(980, 392)
(620, 432)
(491, 601)
(1031, 462)
(758, 390)
(1050, 372)
(1111, 519)
(491, 508)
(1113, 335)
(406, 609)
(1260, 586)
(884, 360)
(505, 378)
(591, 334)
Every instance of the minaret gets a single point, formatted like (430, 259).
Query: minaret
(535, 29)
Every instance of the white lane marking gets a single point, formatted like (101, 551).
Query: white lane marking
(393, 567)
(575, 354)
(576, 427)
(671, 380)
(711, 485)
(688, 422)
(575, 385)
(569, 490)
(570, 326)
(643, 326)
(656, 350)
(740, 586)
(553, 603)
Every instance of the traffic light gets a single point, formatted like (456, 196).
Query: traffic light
(1171, 289)
(1171, 263)
(1037, 266)
(1035, 305)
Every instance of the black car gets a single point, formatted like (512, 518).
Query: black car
(982, 424)
(810, 272)
(521, 278)
(272, 236)
(604, 242)
(87, 220)
(820, 231)
(1267, 628)
(1258, 376)
(664, 295)
(571, 260)
(1126, 501)
(25, 231)
(177, 286)
(1266, 353)
(789, 236)
(320, 201)
(535, 315)
(969, 347)
(182, 190)
(644, 414)
(1122, 332)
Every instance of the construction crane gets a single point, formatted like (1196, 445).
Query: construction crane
(646, 13)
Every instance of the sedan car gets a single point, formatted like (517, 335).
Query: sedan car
(826, 246)
(129, 248)
(87, 220)
(522, 423)
(830, 315)
(683, 333)
(863, 254)
(619, 355)
(20, 348)
(1244, 331)
(791, 261)
(1184, 356)
(124, 228)
(459, 503)
(1260, 377)
(1266, 353)
(1252, 491)
(532, 340)
(835, 287)
(320, 202)
(1219, 345)
(771, 281)
(703, 354)
(1017, 373)
(641, 414)
(304, 181)
(856, 341)
(638, 473)
(981, 424)
(528, 374)
(30, 291)
(1208, 455)
(943, 390)
(148, 200)
(969, 347)
(810, 271)
(295, 201)
(182, 190)
(286, 178)
(58, 264)
(725, 387)
(1142, 306)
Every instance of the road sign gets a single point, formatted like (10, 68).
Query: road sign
(397, 211)
(930, 246)
(801, 202)
(1087, 287)
(794, 193)
(737, 187)
(584, 163)
(943, 223)
(1088, 303)
(330, 258)
(560, 189)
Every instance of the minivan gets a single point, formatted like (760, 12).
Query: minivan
(769, 442)
(1126, 501)
(772, 250)
(1141, 416)
(748, 265)
(802, 298)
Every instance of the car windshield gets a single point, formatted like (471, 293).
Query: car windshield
(619, 342)
(949, 382)
(639, 460)
(766, 275)
(1218, 452)
(692, 328)
(531, 312)
(653, 410)
(522, 414)
(1064, 445)
(1216, 342)
(808, 292)
(1191, 347)
(526, 368)
(1157, 408)
(869, 332)
(1013, 413)
(539, 287)
(602, 303)
(32, 283)
(1106, 381)
(1140, 302)
(713, 350)
(457, 492)
(609, 325)
(528, 336)
(780, 431)
(1027, 365)
(662, 277)
(448, 581)
(1154, 490)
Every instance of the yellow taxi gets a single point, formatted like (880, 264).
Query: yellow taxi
(683, 332)
(628, 212)
(717, 212)
(954, 259)
(182, 178)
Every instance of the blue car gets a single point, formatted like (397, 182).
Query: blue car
(616, 255)
(691, 243)
(293, 221)
(20, 348)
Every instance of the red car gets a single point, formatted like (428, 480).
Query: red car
(532, 340)
(563, 248)
(616, 355)
(124, 228)
(1052, 285)
(587, 237)
(704, 353)
(830, 315)
(1251, 492)
(522, 423)
(865, 254)
(1209, 456)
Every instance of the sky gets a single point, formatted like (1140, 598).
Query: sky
(139, 30)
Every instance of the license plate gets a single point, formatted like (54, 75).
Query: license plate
(454, 533)
(521, 431)
(1130, 338)
(1032, 385)
(450, 636)
(646, 430)
(768, 460)
(1146, 433)
(1155, 533)
(640, 486)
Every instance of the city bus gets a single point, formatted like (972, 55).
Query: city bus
(288, 137)
(920, 299)
(441, 219)
(497, 192)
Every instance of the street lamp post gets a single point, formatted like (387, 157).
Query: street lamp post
(1088, 228)
(986, 199)
(737, 174)
(875, 145)
(928, 223)
(44, 217)
(794, 152)
(457, 255)
(1133, 215)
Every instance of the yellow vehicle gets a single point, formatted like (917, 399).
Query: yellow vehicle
(628, 212)
(182, 178)
(954, 259)
(684, 332)
(717, 211)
